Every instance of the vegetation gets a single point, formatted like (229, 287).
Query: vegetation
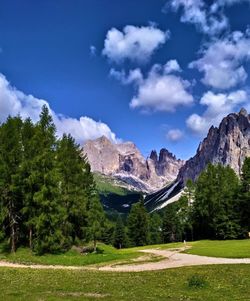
(221, 284)
(225, 249)
(47, 192)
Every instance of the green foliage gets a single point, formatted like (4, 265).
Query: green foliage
(155, 229)
(120, 238)
(244, 197)
(138, 225)
(197, 281)
(46, 188)
(215, 206)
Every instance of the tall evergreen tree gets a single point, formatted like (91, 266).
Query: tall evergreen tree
(214, 208)
(171, 225)
(155, 229)
(95, 220)
(244, 196)
(10, 181)
(119, 234)
(50, 214)
(76, 186)
(138, 225)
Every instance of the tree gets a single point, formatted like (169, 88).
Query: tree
(28, 172)
(95, 220)
(171, 225)
(155, 229)
(50, 213)
(244, 196)
(10, 180)
(214, 208)
(138, 225)
(76, 186)
(119, 234)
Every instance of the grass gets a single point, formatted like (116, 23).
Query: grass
(72, 257)
(106, 185)
(226, 248)
(52, 285)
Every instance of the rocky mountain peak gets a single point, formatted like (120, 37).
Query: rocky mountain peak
(125, 161)
(228, 144)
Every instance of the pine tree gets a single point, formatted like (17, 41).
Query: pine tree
(138, 225)
(28, 172)
(119, 234)
(76, 186)
(155, 229)
(214, 208)
(244, 196)
(50, 213)
(95, 220)
(171, 225)
(10, 181)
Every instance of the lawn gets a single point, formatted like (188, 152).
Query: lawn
(226, 248)
(72, 257)
(224, 283)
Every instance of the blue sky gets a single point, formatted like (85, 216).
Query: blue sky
(158, 73)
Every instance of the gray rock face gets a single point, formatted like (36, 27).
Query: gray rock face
(228, 144)
(125, 161)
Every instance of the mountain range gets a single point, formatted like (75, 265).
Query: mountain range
(162, 177)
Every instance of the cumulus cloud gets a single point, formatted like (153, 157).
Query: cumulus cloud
(161, 91)
(134, 76)
(172, 66)
(217, 106)
(222, 60)
(174, 135)
(14, 102)
(207, 19)
(133, 43)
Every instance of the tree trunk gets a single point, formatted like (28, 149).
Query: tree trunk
(95, 246)
(30, 238)
(13, 238)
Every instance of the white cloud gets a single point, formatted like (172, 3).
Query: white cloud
(161, 92)
(14, 102)
(197, 12)
(92, 50)
(133, 43)
(172, 66)
(174, 135)
(222, 60)
(135, 76)
(218, 106)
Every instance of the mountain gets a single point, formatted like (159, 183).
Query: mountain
(228, 144)
(124, 162)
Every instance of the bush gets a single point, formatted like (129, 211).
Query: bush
(197, 281)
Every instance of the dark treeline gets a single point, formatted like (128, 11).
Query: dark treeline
(47, 193)
(217, 206)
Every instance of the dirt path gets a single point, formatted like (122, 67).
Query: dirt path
(172, 259)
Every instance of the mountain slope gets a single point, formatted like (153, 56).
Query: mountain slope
(124, 162)
(229, 144)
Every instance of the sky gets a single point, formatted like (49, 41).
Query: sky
(158, 73)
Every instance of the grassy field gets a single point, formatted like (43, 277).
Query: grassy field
(220, 283)
(230, 249)
(227, 248)
(72, 257)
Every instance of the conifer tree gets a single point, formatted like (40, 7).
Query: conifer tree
(50, 213)
(138, 225)
(244, 196)
(76, 186)
(95, 220)
(10, 181)
(119, 234)
(155, 229)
